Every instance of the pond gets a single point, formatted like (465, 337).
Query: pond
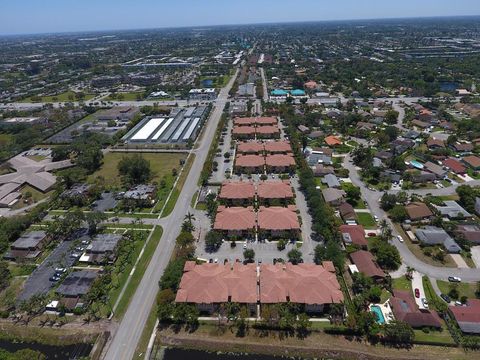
(66, 352)
(183, 354)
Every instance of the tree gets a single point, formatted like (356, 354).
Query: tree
(399, 332)
(391, 117)
(295, 256)
(188, 223)
(4, 275)
(387, 255)
(213, 240)
(172, 274)
(185, 239)
(93, 219)
(319, 254)
(388, 201)
(249, 255)
(361, 282)
(135, 169)
(398, 213)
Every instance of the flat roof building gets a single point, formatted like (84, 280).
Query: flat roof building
(27, 246)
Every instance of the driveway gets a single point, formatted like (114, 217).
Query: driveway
(418, 284)
(475, 250)
(459, 261)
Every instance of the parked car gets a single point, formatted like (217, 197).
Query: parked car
(454, 279)
(445, 297)
(399, 238)
(417, 293)
(60, 270)
(425, 303)
(54, 278)
(371, 234)
(75, 255)
(375, 217)
(245, 245)
(458, 303)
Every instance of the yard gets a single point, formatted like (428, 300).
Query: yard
(464, 289)
(63, 97)
(160, 163)
(402, 283)
(129, 96)
(366, 220)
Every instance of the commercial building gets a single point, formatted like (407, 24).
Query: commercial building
(75, 286)
(118, 113)
(180, 126)
(202, 94)
(27, 246)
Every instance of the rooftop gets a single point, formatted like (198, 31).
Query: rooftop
(275, 190)
(234, 218)
(237, 190)
(366, 264)
(77, 283)
(418, 210)
(278, 218)
(29, 240)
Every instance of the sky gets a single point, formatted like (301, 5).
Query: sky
(42, 16)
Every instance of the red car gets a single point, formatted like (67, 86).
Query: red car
(417, 293)
(371, 234)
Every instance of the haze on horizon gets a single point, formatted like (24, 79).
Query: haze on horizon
(50, 16)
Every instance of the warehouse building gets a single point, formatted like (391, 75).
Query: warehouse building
(180, 126)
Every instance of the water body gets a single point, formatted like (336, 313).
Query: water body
(66, 352)
(182, 354)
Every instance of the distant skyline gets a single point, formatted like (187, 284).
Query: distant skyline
(52, 16)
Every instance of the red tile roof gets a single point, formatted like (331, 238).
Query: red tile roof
(467, 315)
(278, 218)
(356, 232)
(365, 263)
(472, 160)
(268, 130)
(302, 284)
(455, 165)
(280, 160)
(278, 147)
(234, 218)
(405, 309)
(218, 283)
(275, 190)
(332, 140)
(251, 121)
(237, 190)
(243, 130)
(249, 161)
(250, 147)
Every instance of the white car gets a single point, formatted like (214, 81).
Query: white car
(425, 303)
(375, 217)
(399, 238)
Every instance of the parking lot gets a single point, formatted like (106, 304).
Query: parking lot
(39, 281)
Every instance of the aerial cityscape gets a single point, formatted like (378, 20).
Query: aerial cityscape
(281, 186)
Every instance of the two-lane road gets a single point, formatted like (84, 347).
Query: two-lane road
(124, 342)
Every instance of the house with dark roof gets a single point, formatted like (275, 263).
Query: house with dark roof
(322, 170)
(27, 246)
(75, 286)
(405, 309)
(469, 232)
(417, 211)
(331, 181)
(347, 212)
(102, 249)
(467, 316)
(365, 263)
(462, 148)
(333, 196)
(439, 171)
(354, 234)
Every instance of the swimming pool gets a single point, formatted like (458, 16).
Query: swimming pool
(378, 314)
(416, 164)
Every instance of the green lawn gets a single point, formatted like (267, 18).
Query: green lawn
(366, 220)
(178, 187)
(139, 271)
(464, 289)
(130, 96)
(5, 139)
(402, 284)
(439, 337)
(63, 97)
(160, 163)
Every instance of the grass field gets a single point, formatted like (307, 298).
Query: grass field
(139, 271)
(5, 139)
(366, 220)
(130, 96)
(178, 187)
(464, 289)
(63, 97)
(160, 163)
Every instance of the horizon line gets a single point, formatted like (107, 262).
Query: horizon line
(4, 35)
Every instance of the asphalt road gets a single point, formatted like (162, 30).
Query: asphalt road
(124, 341)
